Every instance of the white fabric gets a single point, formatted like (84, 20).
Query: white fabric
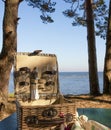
(34, 94)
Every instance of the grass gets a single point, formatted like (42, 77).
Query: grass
(11, 95)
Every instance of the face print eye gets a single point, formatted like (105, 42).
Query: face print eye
(31, 120)
(51, 112)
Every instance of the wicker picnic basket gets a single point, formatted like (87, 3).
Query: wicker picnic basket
(40, 105)
(44, 117)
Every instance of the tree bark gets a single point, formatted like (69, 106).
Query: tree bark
(9, 46)
(107, 63)
(92, 60)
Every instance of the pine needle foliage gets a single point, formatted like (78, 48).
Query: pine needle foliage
(77, 12)
(45, 6)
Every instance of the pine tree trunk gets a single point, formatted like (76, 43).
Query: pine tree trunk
(107, 63)
(9, 46)
(93, 75)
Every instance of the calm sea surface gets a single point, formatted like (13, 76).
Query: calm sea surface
(71, 82)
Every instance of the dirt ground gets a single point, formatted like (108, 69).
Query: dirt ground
(80, 101)
(87, 101)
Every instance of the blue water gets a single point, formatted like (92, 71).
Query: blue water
(76, 82)
(71, 82)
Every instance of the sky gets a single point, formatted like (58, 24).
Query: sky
(61, 38)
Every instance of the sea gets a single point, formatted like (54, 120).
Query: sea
(73, 83)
